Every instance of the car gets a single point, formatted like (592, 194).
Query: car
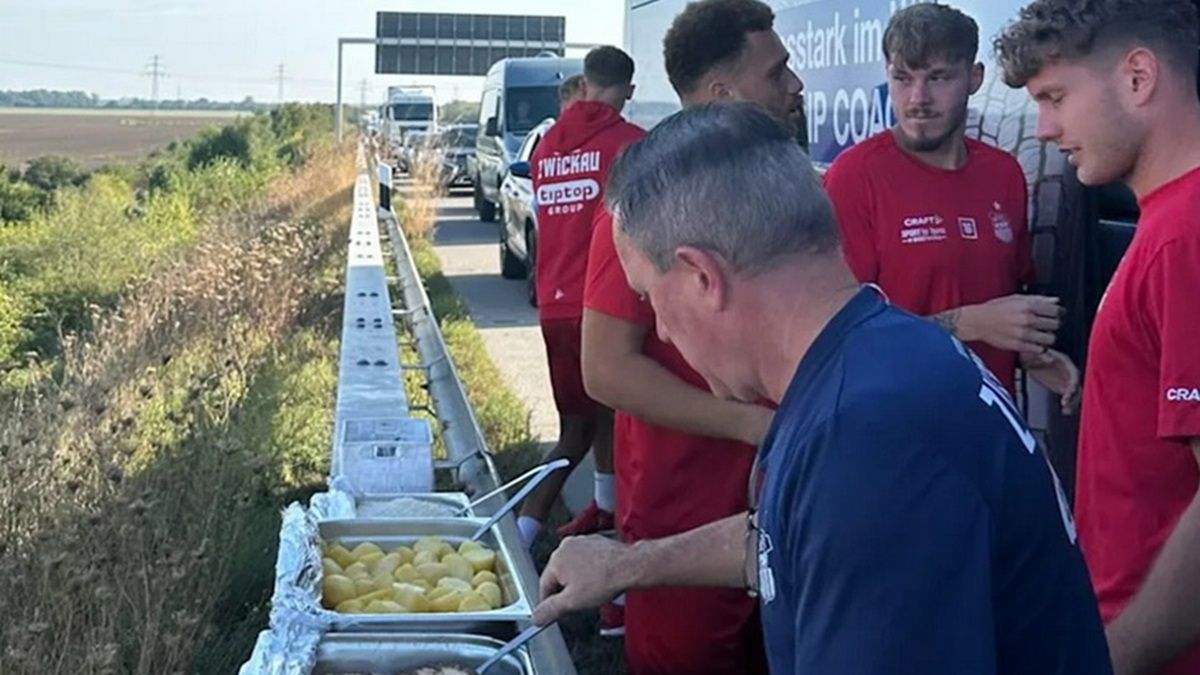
(413, 144)
(518, 236)
(517, 94)
(457, 145)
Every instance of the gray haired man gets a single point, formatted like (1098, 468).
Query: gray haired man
(902, 518)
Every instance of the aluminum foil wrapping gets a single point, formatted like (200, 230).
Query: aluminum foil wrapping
(338, 503)
(290, 646)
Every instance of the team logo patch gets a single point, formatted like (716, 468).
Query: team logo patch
(923, 229)
(1000, 224)
(968, 229)
(1183, 395)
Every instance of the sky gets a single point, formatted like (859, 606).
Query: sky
(231, 49)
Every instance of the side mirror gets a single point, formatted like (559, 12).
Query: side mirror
(521, 170)
(492, 128)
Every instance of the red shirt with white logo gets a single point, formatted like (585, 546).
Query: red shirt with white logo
(935, 239)
(570, 166)
(1141, 402)
(668, 481)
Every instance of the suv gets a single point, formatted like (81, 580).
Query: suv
(518, 237)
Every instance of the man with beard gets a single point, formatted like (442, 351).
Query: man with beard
(938, 220)
(683, 454)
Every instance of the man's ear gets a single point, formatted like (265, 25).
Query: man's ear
(976, 77)
(1140, 72)
(629, 94)
(705, 273)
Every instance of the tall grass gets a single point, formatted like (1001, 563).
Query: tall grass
(145, 455)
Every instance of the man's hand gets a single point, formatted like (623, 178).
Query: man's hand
(584, 572)
(1055, 371)
(1017, 323)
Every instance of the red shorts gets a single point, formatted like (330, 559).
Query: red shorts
(693, 631)
(564, 342)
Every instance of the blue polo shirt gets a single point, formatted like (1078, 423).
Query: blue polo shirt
(909, 521)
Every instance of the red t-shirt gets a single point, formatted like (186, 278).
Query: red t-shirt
(570, 166)
(1141, 402)
(668, 481)
(935, 239)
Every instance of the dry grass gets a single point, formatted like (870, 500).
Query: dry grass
(136, 511)
(419, 207)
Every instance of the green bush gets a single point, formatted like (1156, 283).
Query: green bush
(19, 200)
(51, 173)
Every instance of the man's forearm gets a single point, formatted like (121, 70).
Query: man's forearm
(710, 556)
(1163, 619)
(952, 321)
(640, 386)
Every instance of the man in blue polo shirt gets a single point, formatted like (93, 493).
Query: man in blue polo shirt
(903, 519)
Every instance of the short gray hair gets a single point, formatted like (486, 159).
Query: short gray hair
(726, 178)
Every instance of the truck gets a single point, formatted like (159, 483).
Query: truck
(1079, 233)
(518, 94)
(409, 109)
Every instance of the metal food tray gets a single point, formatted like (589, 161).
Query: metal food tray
(390, 534)
(455, 500)
(345, 653)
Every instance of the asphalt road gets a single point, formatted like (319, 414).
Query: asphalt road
(470, 256)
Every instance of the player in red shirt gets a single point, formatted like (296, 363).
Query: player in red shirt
(938, 220)
(1115, 83)
(569, 167)
(683, 456)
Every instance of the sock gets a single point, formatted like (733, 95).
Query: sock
(606, 492)
(529, 529)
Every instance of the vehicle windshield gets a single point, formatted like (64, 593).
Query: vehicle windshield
(463, 137)
(526, 106)
(411, 112)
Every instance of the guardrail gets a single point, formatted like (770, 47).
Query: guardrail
(467, 452)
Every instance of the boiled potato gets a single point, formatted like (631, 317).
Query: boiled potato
(340, 555)
(486, 575)
(431, 572)
(406, 554)
(362, 586)
(456, 584)
(473, 602)
(406, 573)
(330, 566)
(439, 592)
(388, 564)
(425, 585)
(384, 607)
(351, 607)
(358, 570)
(481, 559)
(445, 550)
(448, 602)
(371, 560)
(491, 592)
(420, 605)
(469, 545)
(385, 594)
(383, 582)
(424, 557)
(458, 566)
(365, 548)
(430, 544)
(336, 589)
